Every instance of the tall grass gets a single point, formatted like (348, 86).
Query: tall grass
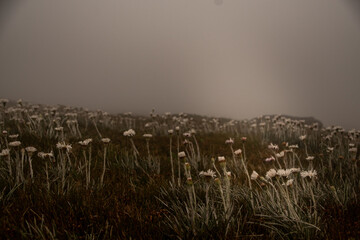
(61, 177)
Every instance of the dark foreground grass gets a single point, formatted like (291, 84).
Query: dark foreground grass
(139, 202)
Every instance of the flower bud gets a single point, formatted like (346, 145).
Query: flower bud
(218, 181)
(189, 181)
(187, 166)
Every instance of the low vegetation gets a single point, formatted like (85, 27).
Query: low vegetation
(70, 173)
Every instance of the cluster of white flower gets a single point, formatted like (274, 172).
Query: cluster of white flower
(5, 152)
(280, 154)
(63, 146)
(59, 129)
(221, 159)
(15, 144)
(105, 140)
(310, 174)
(254, 175)
(294, 146)
(45, 155)
(269, 159)
(294, 170)
(187, 134)
(14, 136)
(30, 149)
(289, 182)
(283, 172)
(238, 152)
(181, 154)
(302, 138)
(329, 149)
(271, 173)
(310, 158)
(129, 133)
(85, 142)
(273, 146)
(229, 141)
(208, 174)
(353, 149)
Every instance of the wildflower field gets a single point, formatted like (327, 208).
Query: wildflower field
(70, 173)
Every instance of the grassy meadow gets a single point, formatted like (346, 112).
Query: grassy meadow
(71, 173)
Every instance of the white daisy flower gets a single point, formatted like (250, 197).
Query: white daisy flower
(208, 174)
(310, 158)
(238, 152)
(254, 175)
(269, 159)
(270, 174)
(181, 154)
(105, 140)
(5, 152)
(229, 141)
(302, 138)
(15, 144)
(221, 159)
(129, 133)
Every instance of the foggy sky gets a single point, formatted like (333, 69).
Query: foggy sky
(230, 58)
